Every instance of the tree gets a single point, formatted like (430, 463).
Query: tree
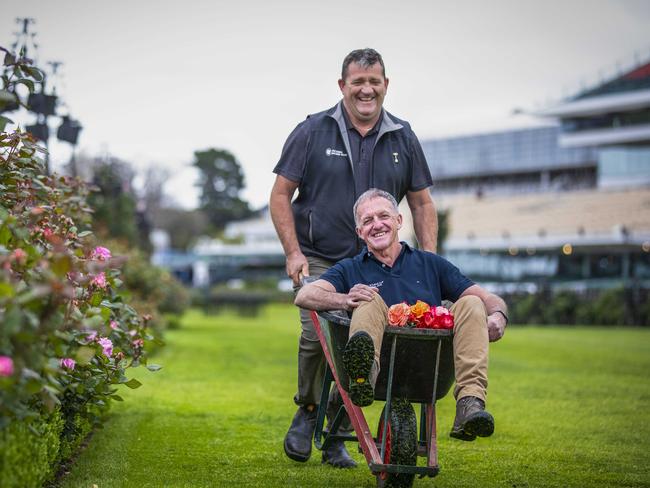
(221, 181)
(115, 204)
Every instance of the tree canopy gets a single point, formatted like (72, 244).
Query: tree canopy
(221, 181)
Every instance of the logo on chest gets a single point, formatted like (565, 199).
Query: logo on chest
(335, 152)
(376, 285)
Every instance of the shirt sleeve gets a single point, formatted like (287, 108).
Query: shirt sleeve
(420, 173)
(452, 282)
(337, 277)
(294, 154)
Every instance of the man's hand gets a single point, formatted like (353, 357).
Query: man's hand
(359, 293)
(496, 324)
(297, 267)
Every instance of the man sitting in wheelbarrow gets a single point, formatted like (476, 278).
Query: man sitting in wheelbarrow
(388, 271)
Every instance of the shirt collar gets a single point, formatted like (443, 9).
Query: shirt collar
(365, 254)
(349, 125)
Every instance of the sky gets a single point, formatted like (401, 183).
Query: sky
(153, 81)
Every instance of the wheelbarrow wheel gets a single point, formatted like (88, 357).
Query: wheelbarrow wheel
(401, 443)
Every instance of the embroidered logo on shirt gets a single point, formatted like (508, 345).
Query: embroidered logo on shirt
(335, 152)
(376, 285)
(396, 158)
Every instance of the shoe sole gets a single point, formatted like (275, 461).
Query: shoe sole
(462, 435)
(358, 357)
(480, 424)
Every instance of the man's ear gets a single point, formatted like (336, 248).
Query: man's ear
(358, 231)
(399, 221)
(341, 84)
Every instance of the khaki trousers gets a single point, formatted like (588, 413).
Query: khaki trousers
(470, 340)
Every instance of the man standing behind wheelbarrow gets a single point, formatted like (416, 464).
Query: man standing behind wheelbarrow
(388, 271)
(331, 158)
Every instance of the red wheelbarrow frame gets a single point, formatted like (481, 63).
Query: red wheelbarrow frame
(369, 446)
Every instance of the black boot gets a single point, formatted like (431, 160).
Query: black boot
(338, 456)
(471, 420)
(297, 442)
(358, 359)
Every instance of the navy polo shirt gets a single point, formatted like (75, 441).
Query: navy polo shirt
(415, 275)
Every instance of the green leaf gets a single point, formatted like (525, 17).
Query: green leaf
(117, 397)
(6, 290)
(4, 121)
(35, 73)
(61, 265)
(9, 58)
(28, 83)
(84, 355)
(154, 367)
(85, 233)
(133, 383)
(96, 299)
(7, 97)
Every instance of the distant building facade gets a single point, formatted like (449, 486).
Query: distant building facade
(563, 205)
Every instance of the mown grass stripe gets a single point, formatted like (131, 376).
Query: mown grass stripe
(571, 405)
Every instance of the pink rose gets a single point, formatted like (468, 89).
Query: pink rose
(100, 253)
(99, 281)
(114, 325)
(19, 256)
(107, 346)
(68, 363)
(398, 314)
(138, 343)
(6, 366)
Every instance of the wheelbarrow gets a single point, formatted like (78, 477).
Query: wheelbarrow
(416, 366)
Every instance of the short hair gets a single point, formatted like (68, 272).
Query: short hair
(370, 194)
(364, 58)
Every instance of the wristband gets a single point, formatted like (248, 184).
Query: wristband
(502, 313)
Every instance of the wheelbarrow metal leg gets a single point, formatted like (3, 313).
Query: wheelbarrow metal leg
(322, 409)
(355, 414)
(432, 451)
(387, 408)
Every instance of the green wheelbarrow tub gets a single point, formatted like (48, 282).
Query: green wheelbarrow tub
(415, 359)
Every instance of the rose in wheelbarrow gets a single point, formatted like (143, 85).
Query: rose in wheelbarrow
(420, 316)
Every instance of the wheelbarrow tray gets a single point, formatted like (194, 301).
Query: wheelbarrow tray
(415, 359)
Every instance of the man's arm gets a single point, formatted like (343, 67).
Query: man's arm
(425, 219)
(496, 309)
(282, 216)
(321, 295)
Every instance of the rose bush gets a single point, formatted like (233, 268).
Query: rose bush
(68, 335)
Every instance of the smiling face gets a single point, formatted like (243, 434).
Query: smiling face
(363, 91)
(378, 223)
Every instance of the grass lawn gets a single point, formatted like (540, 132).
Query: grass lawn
(572, 408)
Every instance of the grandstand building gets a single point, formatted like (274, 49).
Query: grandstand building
(566, 205)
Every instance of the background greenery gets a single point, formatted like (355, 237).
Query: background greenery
(571, 408)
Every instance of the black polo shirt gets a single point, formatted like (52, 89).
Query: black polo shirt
(415, 275)
(362, 148)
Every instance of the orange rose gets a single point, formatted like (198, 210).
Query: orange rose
(398, 314)
(419, 309)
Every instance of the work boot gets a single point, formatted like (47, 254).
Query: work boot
(358, 358)
(297, 442)
(471, 420)
(338, 456)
